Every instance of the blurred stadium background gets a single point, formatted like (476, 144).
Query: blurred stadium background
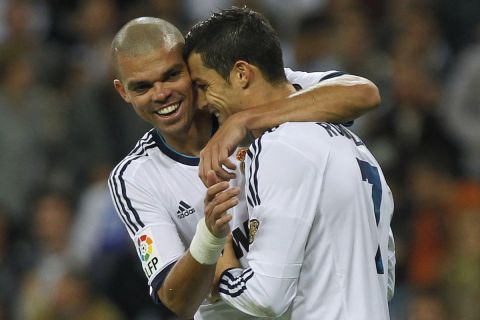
(64, 253)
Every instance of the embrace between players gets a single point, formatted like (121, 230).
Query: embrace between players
(295, 220)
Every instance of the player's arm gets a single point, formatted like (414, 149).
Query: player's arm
(186, 286)
(228, 260)
(178, 282)
(336, 99)
(284, 218)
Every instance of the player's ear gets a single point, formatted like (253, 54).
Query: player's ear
(242, 73)
(121, 90)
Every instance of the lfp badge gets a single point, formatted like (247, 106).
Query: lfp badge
(145, 247)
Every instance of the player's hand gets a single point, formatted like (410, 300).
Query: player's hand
(220, 197)
(222, 145)
(226, 261)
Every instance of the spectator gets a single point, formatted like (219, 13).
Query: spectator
(74, 298)
(427, 305)
(461, 276)
(28, 127)
(8, 274)
(461, 108)
(51, 220)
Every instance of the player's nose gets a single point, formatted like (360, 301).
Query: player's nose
(161, 92)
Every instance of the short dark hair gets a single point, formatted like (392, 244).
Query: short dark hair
(237, 34)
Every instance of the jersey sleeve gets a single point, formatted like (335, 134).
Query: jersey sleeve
(144, 212)
(309, 79)
(280, 221)
(391, 265)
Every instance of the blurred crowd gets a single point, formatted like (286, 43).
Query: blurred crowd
(64, 253)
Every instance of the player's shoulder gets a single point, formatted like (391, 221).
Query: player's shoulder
(292, 132)
(296, 137)
(292, 145)
(138, 158)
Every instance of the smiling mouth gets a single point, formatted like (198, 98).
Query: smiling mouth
(168, 110)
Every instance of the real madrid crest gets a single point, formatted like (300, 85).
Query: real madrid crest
(241, 157)
(252, 230)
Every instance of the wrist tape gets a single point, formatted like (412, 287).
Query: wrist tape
(205, 247)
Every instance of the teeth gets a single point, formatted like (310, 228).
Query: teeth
(168, 109)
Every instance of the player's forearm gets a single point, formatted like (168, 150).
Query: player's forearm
(335, 100)
(186, 286)
(191, 278)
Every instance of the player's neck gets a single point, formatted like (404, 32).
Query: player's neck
(266, 93)
(192, 141)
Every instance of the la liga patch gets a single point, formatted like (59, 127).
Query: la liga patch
(145, 248)
(146, 252)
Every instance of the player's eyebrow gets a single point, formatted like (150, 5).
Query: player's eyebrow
(132, 85)
(173, 69)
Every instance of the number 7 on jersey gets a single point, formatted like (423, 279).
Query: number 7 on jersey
(371, 176)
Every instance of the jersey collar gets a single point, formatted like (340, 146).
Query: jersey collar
(175, 155)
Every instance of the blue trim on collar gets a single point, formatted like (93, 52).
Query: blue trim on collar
(175, 155)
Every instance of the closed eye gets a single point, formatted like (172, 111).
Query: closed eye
(201, 86)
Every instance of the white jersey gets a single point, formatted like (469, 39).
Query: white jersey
(319, 235)
(159, 197)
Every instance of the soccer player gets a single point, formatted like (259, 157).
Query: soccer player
(318, 203)
(156, 188)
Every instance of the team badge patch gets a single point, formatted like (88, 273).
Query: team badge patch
(252, 230)
(240, 156)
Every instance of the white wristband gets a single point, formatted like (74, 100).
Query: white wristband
(205, 247)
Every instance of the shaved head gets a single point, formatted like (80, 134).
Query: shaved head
(143, 35)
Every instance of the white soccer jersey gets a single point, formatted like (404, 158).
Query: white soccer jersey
(320, 212)
(159, 197)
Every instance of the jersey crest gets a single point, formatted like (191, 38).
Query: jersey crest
(252, 230)
(241, 157)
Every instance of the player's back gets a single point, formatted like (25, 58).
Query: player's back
(343, 273)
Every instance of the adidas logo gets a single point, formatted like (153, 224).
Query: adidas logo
(184, 210)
